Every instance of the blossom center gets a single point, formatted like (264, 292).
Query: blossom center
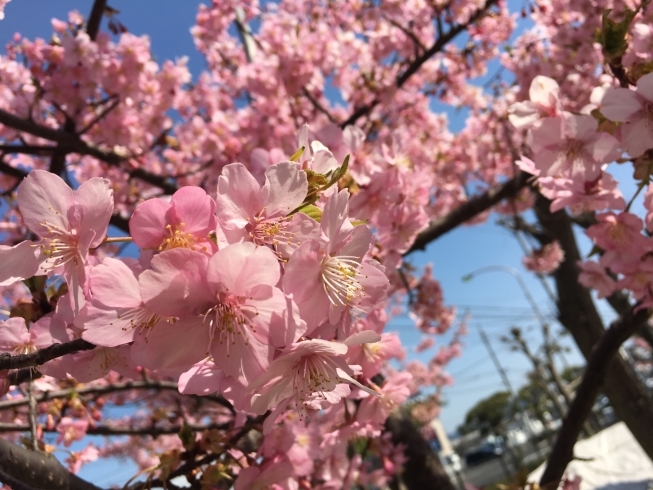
(59, 245)
(27, 348)
(178, 238)
(139, 319)
(270, 231)
(228, 323)
(314, 375)
(340, 279)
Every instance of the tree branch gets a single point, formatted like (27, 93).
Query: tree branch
(417, 63)
(13, 171)
(467, 211)
(108, 430)
(72, 143)
(94, 20)
(580, 408)
(42, 356)
(422, 469)
(578, 314)
(108, 389)
(36, 470)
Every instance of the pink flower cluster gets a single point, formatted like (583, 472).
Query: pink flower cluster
(570, 153)
(253, 292)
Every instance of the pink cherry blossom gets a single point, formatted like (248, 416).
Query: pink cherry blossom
(546, 260)
(185, 221)
(307, 373)
(635, 109)
(116, 314)
(228, 305)
(261, 214)
(545, 102)
(618, 232)
(393, 393)
(570, 146)
(582, 196)
(77, 459)
(71, 430)
(68, 222)
(328, 276)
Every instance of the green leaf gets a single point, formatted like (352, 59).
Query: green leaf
(313, 212)
(613, 35)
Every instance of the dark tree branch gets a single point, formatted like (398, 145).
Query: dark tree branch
(597, 366)
(108, 430)
(28, 149)
(22, 375)
(319, 107)
(36, 470)
(13, 171)
(470, 209)
(120, 222)
(578, 314)
(108, 389)
(417, 63)
(94, 20)
(71, 143)
(42, 356)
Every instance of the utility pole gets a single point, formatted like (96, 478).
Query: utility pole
(495, 360)
(506, 382)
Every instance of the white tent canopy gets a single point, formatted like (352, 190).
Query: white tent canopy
(610, 460)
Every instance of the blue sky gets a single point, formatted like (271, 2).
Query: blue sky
(494, 300)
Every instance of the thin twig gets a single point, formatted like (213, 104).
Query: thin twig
(108, 389)
(117, 239)
(32, 415)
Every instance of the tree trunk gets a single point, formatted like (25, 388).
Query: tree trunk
(422, 469)
(578, 314)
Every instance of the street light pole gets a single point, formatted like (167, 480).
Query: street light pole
(514, 273)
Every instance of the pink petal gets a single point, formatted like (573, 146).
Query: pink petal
(323, 159)
(645, 86)
(580, 128)
(239, 196)
(104, 326)
(196, 209)
(147, 224)
(242, 266)
(334, 215)
(173, 348)
(287, 186)
(93, 208)
(114, 284)
(176, 285)
(18, 262)
(544, 91)
(358, 243)
(245, 358)
(49, 330)
(620, 104)
(13, 333)
(203, 378)
(364, 337)
(637, 137)
(44, 198)
(604, 148)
